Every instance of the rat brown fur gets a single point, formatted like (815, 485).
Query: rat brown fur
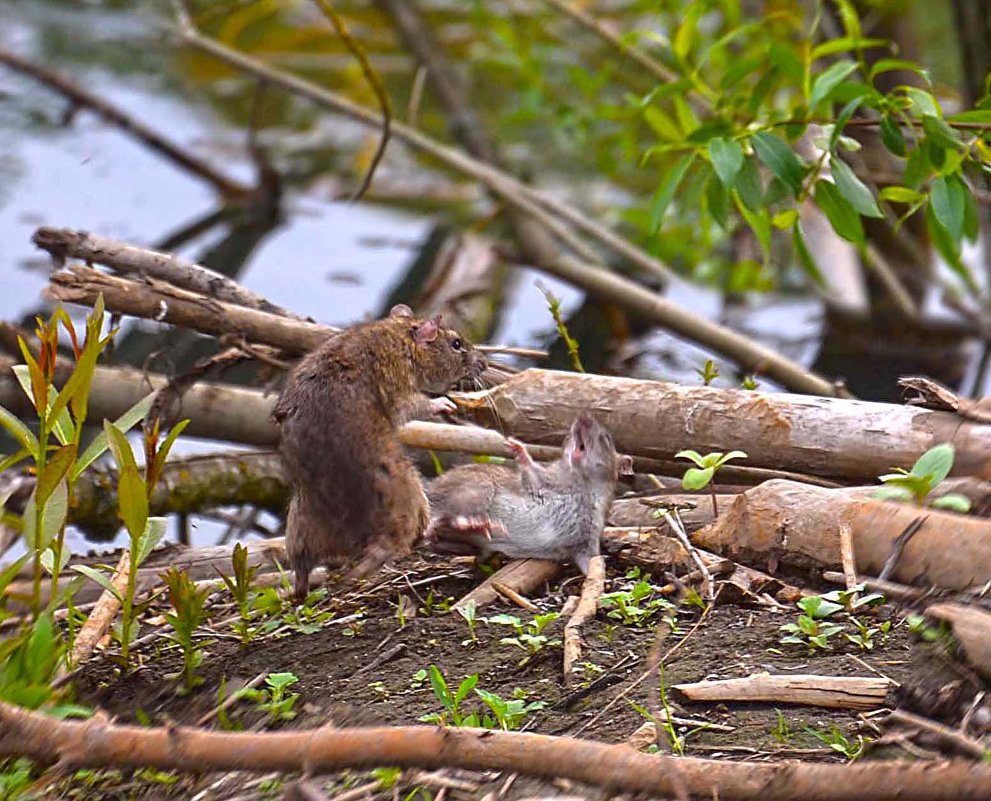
(355, 494)
(555, 511)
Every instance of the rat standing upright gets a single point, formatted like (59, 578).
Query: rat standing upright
(555, 511)
(355, 494)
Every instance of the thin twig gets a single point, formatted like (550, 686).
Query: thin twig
(373, 81)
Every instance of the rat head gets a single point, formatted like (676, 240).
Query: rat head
(441, 357)
(589, 449)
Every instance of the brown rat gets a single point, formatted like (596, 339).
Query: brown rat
(355, 494)
(555, 511)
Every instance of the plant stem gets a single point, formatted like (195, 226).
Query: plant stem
(712, 494)
(39, 514)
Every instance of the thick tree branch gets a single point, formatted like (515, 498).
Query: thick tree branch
(64, 243)
(99, 743)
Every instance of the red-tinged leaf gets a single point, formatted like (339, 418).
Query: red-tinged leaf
(39, 387)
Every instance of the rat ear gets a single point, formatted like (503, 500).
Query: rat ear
(427, 331)
(625, 463)
(400, 310)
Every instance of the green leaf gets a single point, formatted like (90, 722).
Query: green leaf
(662, 124)
(923, 103)
(899, 64)
(935, 464)
(780, 159)
(901, 194)
(731, 455)
(727, 159)
(465, 688)
(695, 456)
(948, 249)
(854, 190)
(917, 168)
(119, 446)
(717, 200)
(56, 510)
(100, 577)
(439, 686)
(953, 501)
(55, 469)
(977, 115)
(749, 187)
(665, 192)
(125, 422)
(155, 529)
(19, 431)
(828, 80)
(687, 32)
(948, 197)
(805, 258)
(891, 135)
(132, 500)
(841, 215)
(7, 462)
(758, 221)
(695, 479)
(941, 134)
(844, 44)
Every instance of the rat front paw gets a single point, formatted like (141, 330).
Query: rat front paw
(442, 405)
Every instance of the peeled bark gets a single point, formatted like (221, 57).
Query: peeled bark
(799, 526)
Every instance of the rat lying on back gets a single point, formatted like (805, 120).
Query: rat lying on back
(555, 511)
(355, 494)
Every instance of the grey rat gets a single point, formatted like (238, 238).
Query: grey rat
(548, 511)
(355, 494)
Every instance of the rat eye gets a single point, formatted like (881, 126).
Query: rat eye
(457, 344)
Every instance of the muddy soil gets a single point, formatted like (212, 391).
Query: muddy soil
(336, 648)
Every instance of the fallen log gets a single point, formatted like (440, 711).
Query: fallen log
(830, 437)
(799, 526)
(832, 692)
(972, 629)
(98, 742)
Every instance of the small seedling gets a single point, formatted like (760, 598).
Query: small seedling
(436, 606)
(701, 476)
(919, 483)
(811, 629)
(852, 601)
(864, 638)
(529, 636)
(417, 679)
(240, 589)
(749, 382)
(468, 613)
(838, 741)
(451, 701)
(188, 613)
(509, 713)
(554, 306)
(637, 606)
(782, 731)
(405, 609)
(273, 698)
(920, 627)
(665, 722)
(708, 372)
